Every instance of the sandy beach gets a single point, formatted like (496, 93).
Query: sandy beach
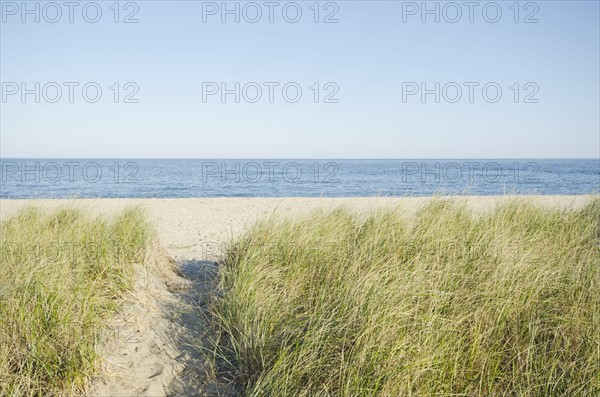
(193, 228)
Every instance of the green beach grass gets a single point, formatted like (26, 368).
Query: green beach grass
(63, 276)
(445, 303)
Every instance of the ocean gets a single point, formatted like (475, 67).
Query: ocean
(91, 178)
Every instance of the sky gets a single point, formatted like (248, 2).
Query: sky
(305, 79)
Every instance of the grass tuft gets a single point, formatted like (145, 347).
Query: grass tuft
(445, 303)
(62, 276)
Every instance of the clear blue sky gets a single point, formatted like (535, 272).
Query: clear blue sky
(368, 54)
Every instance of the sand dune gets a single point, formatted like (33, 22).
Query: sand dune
(160, 319)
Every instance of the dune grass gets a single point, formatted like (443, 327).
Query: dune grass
(503, 303)
(62, 276)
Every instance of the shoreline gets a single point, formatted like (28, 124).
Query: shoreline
(453, 196)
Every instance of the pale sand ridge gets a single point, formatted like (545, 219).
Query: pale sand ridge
(189, 228)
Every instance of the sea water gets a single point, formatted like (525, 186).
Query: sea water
(87, 178)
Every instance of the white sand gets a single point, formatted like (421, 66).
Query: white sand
(193, 228)
(151, 355)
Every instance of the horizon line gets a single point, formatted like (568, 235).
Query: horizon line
(298, 158)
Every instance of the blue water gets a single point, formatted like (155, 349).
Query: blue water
(64, 178)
